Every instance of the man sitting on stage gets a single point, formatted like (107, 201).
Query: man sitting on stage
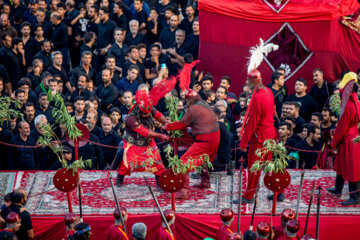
(164, 233)
(116, 231)
(287, 215)
(139, 144)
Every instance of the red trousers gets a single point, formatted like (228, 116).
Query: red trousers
(207, 144)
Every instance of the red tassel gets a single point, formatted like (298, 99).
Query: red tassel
(185, 75)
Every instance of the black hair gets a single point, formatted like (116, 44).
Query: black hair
(288, 125)
(79, 98)
(17, 196)
(105, 10)
(275, 76)
(312, 129)
(208, 77)
(227, 78)
(302, 80)
(317, 114)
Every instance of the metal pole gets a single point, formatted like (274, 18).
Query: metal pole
(299, 194)
(117, 203)
(309, 208)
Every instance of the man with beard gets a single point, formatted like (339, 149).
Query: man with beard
(83, 68)
(30, 114)
(79, 105)
(326, 124)
(58, 69)
(30, 44)
(44, 54)
(18, 200)
(110, 64)
(34, 75)
(59, 38)
(16, 62)
(139, 142)
(6, 47)
(259, 128)
(134, 37)
(312, 145)
(322, 90)
(91, 120)
(81, 90)
(43, 108)
(5, 26)
(105, 35)
(22, 158)
(106, 92)
(119, 48)
(167, 35)
(205, 131)
(108, 137)
(133, 53)
(93, 15)
(41, 21)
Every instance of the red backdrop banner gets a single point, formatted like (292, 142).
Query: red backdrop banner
(190, 227)
(226, 38)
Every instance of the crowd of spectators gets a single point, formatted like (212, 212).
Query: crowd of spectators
(97, 54)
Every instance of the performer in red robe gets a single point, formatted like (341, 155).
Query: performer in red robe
(70, 221)
(347, 161)
(259, 126)
(225, 231)
(13, 223)
(164, 233)
(116, 231)
(291, 229)
(205, 130)
(287, 215)
(263, 230)
(139, 145)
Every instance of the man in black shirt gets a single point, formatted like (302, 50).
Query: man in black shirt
(16, 62)
(118, 49)
(292, 135)
(128, 100)
(107, 92)
(186, 23)
(5, 48)
(294, 109)
(312, 146)
(111, 65)
(307, 103)
(108, 137)
(167, 35)
(105, 35)
(140, 15)
(93, 15)
(22, 158)
(322, 90)
(44, 108)
(193, 39)
(30, 44)
(119, 16)
(134, 37)
(284, 136)
(83, 68)
(133, 53)
(42, 21)
(81, 90)
(18, 200)
(59, 38)
(58, 69)
(45, 54)
(178, 51)
(278, 91)
(161, 6)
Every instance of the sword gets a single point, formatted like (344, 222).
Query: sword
(80, 203)
(158, 206)
(318, 213)
(299, 195)
(240, 194)
(117, 203)
(254, 208)
(309, 208)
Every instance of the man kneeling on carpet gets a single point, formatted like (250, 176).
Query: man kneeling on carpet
(116, 231)
(164, 233)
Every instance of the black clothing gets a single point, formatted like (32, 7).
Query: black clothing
(21, 158)
(4, 75)
(186, 25)
(118, 53)
(47, 113)
(31, 48)
(3, 54)
(99, 81)
(45, 155)
(307, 159)
(122, 21)
(59, 36)
(161, 10)
(26, 223)
(48, 29)
(223, 155)
(295, 137)
(321, 95)
(107, 95)
(112, 139)
(141, 17)
(279, 98)
(5, 136)
(92, 151)
(15, 68)
(167, 37)
(308, 105)
(35, 80)
(139, 38)
(193, 42)
(105, 33)
(92, 27)
(46, 58)
(124, 111)
(61, 73)
(85, 93)
(182, 50)
(299, 122)
(79, 70)
(151, 38)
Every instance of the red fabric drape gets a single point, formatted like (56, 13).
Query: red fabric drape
(225, 42)
(190, 227)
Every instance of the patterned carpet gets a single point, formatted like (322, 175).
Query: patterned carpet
(98, 199)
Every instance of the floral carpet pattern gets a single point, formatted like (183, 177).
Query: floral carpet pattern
(97, 196)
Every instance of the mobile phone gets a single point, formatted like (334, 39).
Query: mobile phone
(163, 66)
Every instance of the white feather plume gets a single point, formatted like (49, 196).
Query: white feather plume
(258, 52)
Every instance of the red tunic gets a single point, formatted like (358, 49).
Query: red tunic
(115, 232)
(347, 161)
(223, 233)
(205, 129)
(164, 234)
(134, 156)
(259, 127)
